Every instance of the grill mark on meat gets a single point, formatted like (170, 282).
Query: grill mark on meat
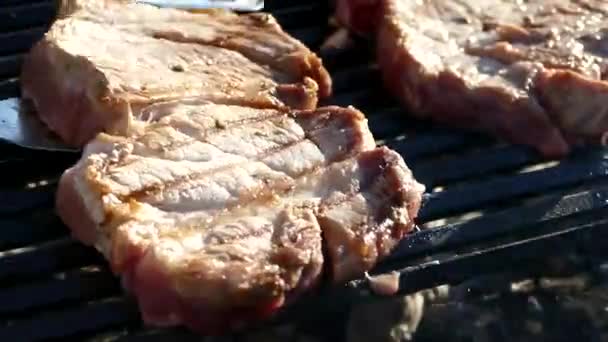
(205, 138)
(563, 10)
(318, 210)
(586, 4)
(507, 54)
(268, 189)
(359, 241)
(218, 258)
(214, 238)
(153, 189)
(266, 192)
(347, 151)
(155, 113)
(230, 124)
(217, 217)
(162, 150)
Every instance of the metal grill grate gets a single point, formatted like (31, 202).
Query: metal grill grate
(499, 198)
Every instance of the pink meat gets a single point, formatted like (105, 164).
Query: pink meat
(213, 215)
(102, 61)
(525, 72)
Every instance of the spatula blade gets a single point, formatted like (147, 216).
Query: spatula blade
(236, 5)
(21, 127)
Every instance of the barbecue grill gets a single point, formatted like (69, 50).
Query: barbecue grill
(489, 207)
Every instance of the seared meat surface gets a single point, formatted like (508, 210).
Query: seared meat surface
(530, 72)
(102, 60)
(216, 214)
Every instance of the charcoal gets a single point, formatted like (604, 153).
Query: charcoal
(577, 283)
(385, 319)
(438, 294)
(480, 285)
(534, 305)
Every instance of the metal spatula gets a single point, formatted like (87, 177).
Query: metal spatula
(237, 5)
(20, 126)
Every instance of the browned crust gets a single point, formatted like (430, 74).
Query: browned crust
(48, 79)
(74, 100)
(302, 62)
(447, 99)
(576, 103)
(160, 302)
(72, 210)
(353, 252)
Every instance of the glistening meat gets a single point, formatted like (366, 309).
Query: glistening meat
(100, 60)
(530, 72)
(215, 215)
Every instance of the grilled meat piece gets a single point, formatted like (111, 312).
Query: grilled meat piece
(102, 59)
(214, 214)
(530, 72)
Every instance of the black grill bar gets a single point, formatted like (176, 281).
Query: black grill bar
(504, 256)
(554, 209)
(16, 201)
(9, 88)
(59, 323)
(432, 143)
(10, 65)
(28, 15)
(568, 173)
(10, 5)
(43, 225)
(300, 16)
(52, 256)
(476, 164)
(64, 287)
(352, 78)
(19, 41)
(54, 287)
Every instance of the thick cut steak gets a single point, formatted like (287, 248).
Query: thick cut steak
(215, 214)
(530, 72)
(101, 60)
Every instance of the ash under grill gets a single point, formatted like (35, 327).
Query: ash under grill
(490, 206)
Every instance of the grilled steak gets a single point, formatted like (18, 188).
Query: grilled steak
(102, 59)
(531, 72)
(214, 214)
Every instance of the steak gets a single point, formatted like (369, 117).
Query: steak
(102, 60)
(215, 214)
(530, 72)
